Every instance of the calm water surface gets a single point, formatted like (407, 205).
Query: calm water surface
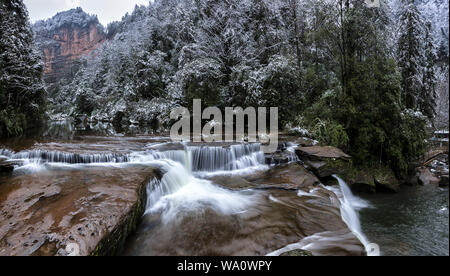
(413, 222)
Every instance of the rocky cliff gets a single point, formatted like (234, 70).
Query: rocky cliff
(64, 39)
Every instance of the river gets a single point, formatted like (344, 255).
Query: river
(413, 222)
(222, 199)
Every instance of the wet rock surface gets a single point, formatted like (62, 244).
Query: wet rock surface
(94, 208)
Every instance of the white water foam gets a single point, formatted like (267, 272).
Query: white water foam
(349, 204)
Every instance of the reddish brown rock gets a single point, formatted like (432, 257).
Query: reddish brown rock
(70, 44)
(96, 209)
(65, 38)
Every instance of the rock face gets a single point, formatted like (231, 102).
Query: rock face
(385, 181)
(324, 161)
(65, 38)
(94, 209)
(362, 182)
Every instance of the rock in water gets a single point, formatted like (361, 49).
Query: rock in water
(385, 181)
(322, 153)
(426, 177)
(362, 183)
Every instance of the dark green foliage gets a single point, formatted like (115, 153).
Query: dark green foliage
(331, 133)
(366, 116)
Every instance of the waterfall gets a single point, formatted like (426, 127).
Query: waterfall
(349, 205)
(195, 159)
(212, 159)
(180, 192)
(64, 157)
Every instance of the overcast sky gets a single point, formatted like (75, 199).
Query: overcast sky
(107, 10)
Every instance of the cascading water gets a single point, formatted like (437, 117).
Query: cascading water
(63, 157)
(178, 190)
(236, 157)
(349, 206)
(196, 159)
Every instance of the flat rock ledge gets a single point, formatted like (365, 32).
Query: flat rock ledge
(324, 161)
(90, 211)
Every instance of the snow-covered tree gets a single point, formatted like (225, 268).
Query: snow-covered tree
(410, 53)
(22, 91)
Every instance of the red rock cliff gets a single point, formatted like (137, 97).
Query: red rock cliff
(70, 44)
(65, 38)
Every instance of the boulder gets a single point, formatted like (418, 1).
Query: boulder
(324, 161)
(385, 181)
(291, 177)
(360, 181)
(6, 166)
(412, 180)
(288, 177)
(426, 177)
(443, 182)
